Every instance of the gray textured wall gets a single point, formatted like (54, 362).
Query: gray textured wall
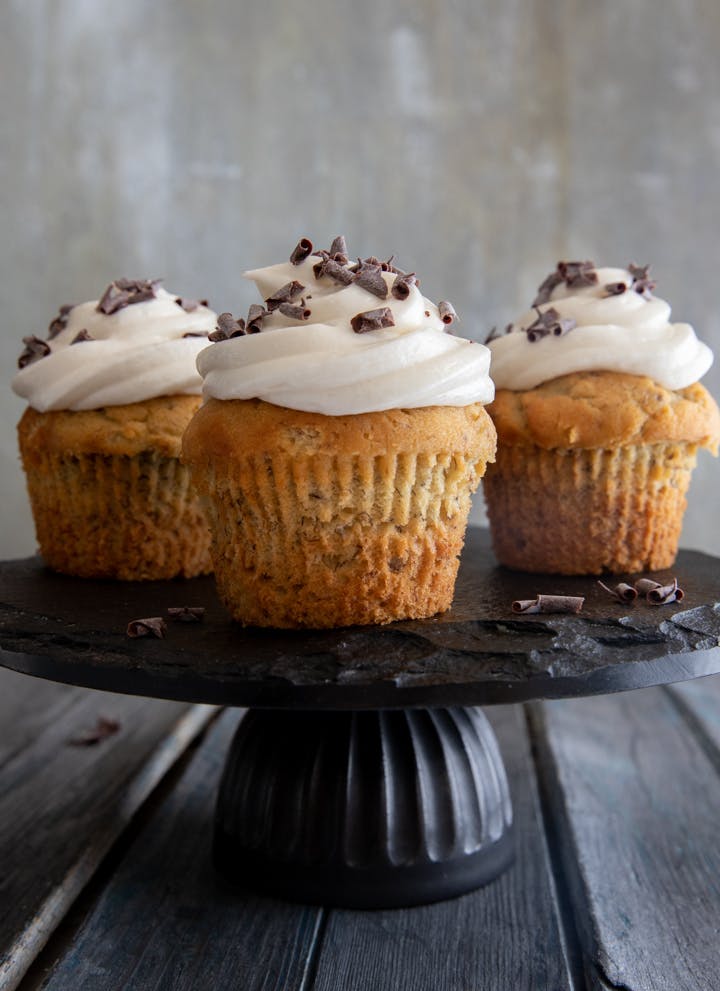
(478, 140)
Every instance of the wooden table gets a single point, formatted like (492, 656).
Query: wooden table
(106, 883)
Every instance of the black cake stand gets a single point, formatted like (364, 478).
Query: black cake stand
(365, 774)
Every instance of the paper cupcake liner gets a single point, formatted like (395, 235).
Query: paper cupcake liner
(588, 511)
(324, 541)
(114, 516)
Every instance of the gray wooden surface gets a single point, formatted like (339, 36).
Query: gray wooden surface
(615, 884)
(479, 141)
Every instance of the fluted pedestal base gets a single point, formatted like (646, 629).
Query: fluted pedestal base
(364, 809)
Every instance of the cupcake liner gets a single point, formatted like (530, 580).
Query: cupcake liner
(116, 516)
(335, 540)
(588, 511)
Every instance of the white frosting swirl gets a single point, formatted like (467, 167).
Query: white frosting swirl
(137, 353)
(322, 365)
(622, 333)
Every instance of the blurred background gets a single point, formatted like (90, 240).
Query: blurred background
(478, 141)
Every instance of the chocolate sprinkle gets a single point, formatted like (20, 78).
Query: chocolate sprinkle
(495, 333)
(549, 322)
(402, 285)
(59, 323)
(622, 592)
(447, 312)
(301, 251)
(102, 729)
(549, 604)
(370, 278)
(82, 335)
(196, 333)
(227, 327)
(153, 626)
(294, 312)
(190, 305)
(286, 293)
(34, 350)
(372, 320)
(186, 614)
(642, 283)
(125, 292)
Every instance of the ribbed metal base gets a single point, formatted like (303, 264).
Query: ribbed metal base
(364, 809)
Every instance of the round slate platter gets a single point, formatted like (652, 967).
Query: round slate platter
(479, 653)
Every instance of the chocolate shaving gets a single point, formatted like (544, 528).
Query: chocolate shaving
(255, 317)
(447, 312)
(339, 247)
(495, 333)
(645, 585)
(549, 604)
(190, 305)
(125, 292)
(578, 274)
(286, 293)
(82, 335)
(370, 278)
(227, 327)
(642, 283)
(294, 312)
(301, 251)
(622, 591)
(372, 320)
(153, 626)
(334, 270)
(186, 614)
(615, 288)
(196, 333)
(664, 594)
(549, 322)
(34, 350)
(102, 729)
(59, 323)
(546, 288)
(402, 285)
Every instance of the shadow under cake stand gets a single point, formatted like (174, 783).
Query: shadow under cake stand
(365, 774)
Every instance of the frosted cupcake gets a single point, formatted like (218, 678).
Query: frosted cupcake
(342, 436)
(110, 393)
(599, 415)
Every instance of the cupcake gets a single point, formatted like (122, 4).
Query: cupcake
(599, 415)
(341, 438)
(110, 393)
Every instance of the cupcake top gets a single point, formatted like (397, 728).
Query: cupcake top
(340, 337)
(597, 319)
(135, 343)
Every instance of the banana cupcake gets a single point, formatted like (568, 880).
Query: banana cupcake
(110, 392)
(341, 438)
(599, 414)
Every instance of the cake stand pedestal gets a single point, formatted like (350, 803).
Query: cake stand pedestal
(365, 774)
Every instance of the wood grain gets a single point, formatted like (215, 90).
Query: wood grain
(63, 806)
(636, 806)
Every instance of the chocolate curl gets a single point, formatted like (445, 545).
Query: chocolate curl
(402, 285)
(549, 604)
(334, 270)
(126, 292)
(642, 283)
(622, 592)
(549, 322)
(447, 312)
(372, 320)
(186, 614)
(664, 594)
(153, 626)
(578, 274)
(285, 294)
(645, 585)
(294, 312)
(615, 288)
(34, 350)
(370, 278)
(82, 335)
(59, 323)
(255, 317)
(546, 288)
(227, 327)
(190, 305)
(102, 729)
(339, 247)
(301, 251)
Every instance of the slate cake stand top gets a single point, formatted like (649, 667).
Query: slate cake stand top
(479, 653)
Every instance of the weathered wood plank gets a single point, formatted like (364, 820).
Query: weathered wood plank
(165, 922)
(636, 803)
(700, 701)
(63, 806)
(506, 935)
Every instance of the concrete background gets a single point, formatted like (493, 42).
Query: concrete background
(480, 141)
